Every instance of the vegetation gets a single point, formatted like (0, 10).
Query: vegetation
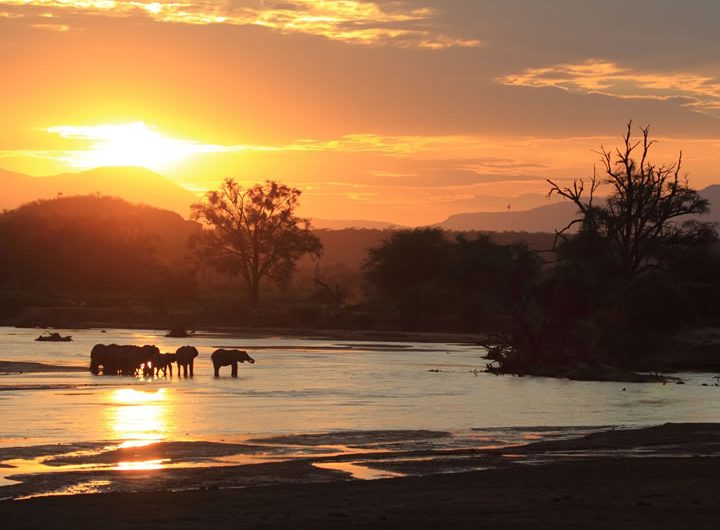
(93, 246)
(638, 264)
(432, 280)
(644, 220)
(620, 285)
(253, 232)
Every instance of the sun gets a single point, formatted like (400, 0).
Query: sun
(127, 144)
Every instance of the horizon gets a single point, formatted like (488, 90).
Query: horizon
(401, 112)
(369, 222)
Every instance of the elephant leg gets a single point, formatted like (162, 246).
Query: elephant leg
(217, 369)
(234, 369)
(192, 364)
(170, 366)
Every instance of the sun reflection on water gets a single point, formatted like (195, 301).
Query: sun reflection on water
(138, 417)
(145, 465)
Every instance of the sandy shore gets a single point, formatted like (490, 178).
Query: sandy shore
(663, 477)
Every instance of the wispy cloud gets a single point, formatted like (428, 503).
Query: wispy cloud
(700, 92)
(400, 23)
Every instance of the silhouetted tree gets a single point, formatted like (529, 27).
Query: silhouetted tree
(435, 280)
(407, 259)
(641, 223)
(618, 287)
(253, 232)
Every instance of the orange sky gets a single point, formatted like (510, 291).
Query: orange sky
(392, 110)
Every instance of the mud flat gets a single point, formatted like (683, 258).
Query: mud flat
(610, 493)
(660, 477)
(14, 367)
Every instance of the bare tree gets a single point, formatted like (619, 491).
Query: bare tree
(647, 210)
(254, 232)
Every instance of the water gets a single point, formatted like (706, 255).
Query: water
(302, 385)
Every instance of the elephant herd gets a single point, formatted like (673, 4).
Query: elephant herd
(114, 359)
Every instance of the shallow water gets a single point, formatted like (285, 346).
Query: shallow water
(304, 386)
(301, 386)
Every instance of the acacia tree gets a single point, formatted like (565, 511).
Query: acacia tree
(641, 221)
(254, 232)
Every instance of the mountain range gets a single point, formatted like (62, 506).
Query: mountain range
(546, 218)
(140, 185)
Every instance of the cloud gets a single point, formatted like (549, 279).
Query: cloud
(399, 23)
(700, 92)
(51, 27)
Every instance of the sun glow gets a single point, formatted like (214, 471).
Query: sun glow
(128, 144)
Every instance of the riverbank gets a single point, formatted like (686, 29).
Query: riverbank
(14, 367)
(301, 333)
(662, 477)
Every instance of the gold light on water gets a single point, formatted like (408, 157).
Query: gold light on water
(146, 465)
(140, 417)
(130, 396)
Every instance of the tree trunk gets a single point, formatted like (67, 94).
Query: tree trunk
(254, 293)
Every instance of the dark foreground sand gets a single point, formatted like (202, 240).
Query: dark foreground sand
(671, 481)
(635, 494)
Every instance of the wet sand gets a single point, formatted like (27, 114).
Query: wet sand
(14, 367)
(615, 493)
(661, 477)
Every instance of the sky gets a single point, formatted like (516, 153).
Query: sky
(400, 111)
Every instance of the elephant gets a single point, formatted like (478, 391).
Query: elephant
(105, 357)
(229, 357)
(185, 357)
(163, 361)
(122, 359)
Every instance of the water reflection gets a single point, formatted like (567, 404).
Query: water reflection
(357, 470)
(139, 417)
(145, 465)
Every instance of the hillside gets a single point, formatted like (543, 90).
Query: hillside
(138, 185)
(170, 232)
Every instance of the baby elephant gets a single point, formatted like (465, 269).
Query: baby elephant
(163, 362)
(229, 357)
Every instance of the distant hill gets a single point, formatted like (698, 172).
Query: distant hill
(545, 218)
(342, 224)
(169, 230)
(133, 184)
(712, 193)
(542, 219)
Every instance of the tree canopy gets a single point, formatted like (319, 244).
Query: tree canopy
(253, 232)
(435, 279)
